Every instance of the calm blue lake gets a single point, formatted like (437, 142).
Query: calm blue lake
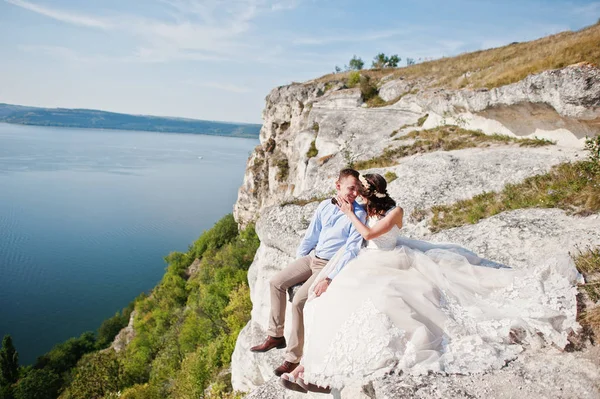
(86, 217)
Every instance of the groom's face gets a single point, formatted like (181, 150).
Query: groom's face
(347, 188)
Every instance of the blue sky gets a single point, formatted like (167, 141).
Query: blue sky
(218, 60)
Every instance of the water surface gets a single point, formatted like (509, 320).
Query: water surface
(86, 217)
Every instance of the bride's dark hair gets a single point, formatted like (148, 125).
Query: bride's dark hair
(374, 190)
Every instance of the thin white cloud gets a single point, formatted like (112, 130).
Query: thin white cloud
(221, 86)
(284, 5)
(64, 53)
(197, 30)
(592, 8)
(63, 16)
(343, 38)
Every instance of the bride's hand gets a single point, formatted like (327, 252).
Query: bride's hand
(344, 205)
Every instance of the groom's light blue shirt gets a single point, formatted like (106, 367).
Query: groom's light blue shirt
(330, 230)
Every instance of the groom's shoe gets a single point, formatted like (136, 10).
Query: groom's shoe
(270, 343)
(286, 367)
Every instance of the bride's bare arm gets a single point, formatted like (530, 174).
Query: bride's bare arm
(394, 217)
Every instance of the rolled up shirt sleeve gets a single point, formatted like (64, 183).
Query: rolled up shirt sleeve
(352, 247)
(311, 237)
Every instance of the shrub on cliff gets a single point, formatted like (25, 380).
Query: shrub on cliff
(186, 329)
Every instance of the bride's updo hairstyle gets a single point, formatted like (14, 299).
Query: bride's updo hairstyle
(374, 190)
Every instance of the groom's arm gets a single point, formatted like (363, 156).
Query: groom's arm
(311, 237)
(353, 245)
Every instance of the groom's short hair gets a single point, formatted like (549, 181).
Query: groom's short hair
(348, 172)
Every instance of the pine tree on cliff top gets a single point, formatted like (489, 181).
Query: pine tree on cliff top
(9, 362)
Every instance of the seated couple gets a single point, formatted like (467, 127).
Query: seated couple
(403, 304)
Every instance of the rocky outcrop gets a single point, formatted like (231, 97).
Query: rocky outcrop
(561, 105)
(532, 375)
(314, 129)
(125, 336)
(521, 239)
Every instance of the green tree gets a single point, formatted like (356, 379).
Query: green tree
(383, 61)
(393, 61)
(379, 61)
(97, 375)
(9, 362)
(64, 356)
(38, 384)
(356, 63)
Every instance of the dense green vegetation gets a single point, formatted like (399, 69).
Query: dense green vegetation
(185, 333)
(85, 118)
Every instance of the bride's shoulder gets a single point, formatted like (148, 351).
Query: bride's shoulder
(396, 210)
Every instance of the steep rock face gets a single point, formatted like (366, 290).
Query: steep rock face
(300, 120)
(562, 105)
(125, 336)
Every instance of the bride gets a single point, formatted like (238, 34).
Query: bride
(418, 307)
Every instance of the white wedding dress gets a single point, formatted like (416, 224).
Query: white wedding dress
(418, 307)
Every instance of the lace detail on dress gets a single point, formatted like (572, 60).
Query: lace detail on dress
(486, 332)
(368, 332)
(386, 241)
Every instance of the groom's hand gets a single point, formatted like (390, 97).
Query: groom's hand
(321, 287)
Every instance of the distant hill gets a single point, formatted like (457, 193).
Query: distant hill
(89, 118)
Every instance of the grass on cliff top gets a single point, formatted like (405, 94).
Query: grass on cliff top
(588, 264)
(499, 66)
(442, 138)
(574, 187)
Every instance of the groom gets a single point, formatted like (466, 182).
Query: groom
(329, 230)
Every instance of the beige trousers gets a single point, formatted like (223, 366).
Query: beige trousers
(304, 269)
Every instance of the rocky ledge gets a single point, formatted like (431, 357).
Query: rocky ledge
(312, 130)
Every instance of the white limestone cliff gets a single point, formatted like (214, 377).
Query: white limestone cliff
(561, 105)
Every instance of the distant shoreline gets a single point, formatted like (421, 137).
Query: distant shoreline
(95, 119)
(127, 130)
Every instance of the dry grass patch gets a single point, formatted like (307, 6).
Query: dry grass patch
(324, 159)
(588, 264)
(499, 66)
(305, 201)
(390, 176)
(312, 151)
(442, 138)
(574, 187)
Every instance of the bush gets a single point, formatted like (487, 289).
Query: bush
(390, 176)
(368, 89)
(221, 233)
(38, 384)
(353, 79)
(97, 375)
(110, 327)
(592, 145)
(142, 391)
(283, 169)
(312, 151)
(64, 356)
(185, 330)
